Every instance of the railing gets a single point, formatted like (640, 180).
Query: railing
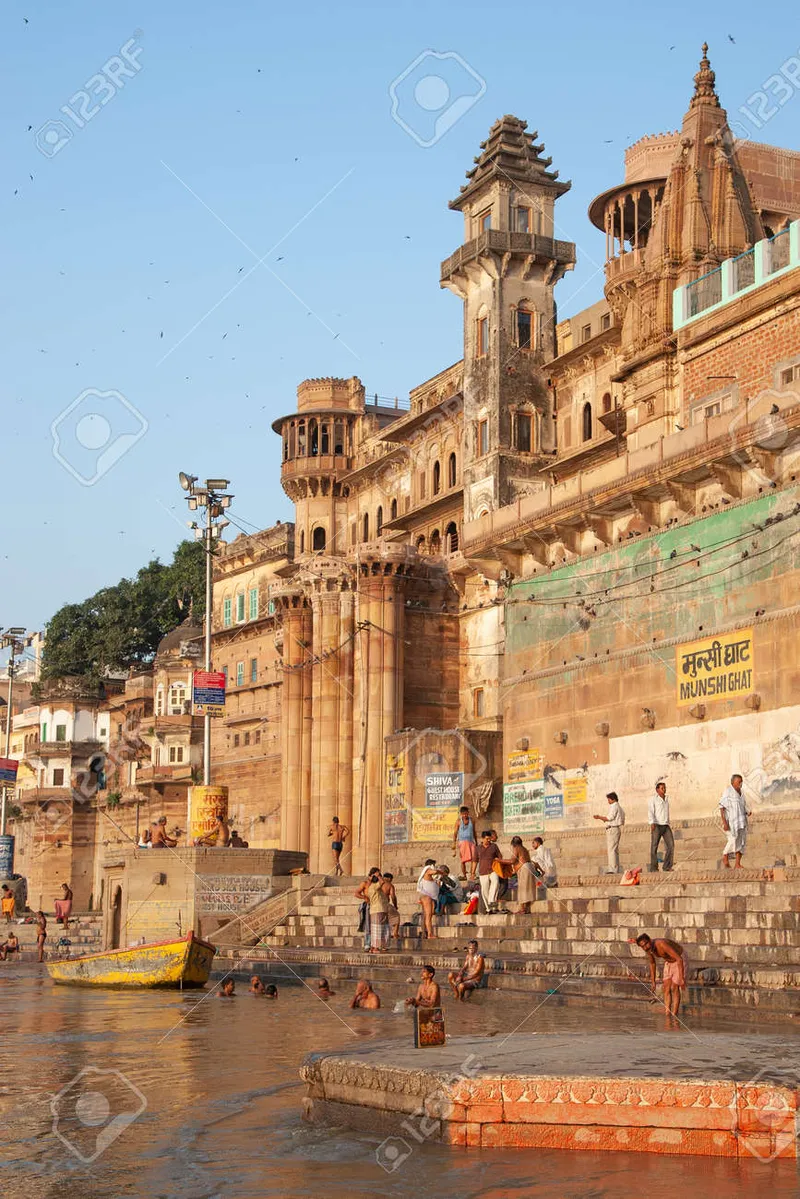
(504, 241)
(736, 276)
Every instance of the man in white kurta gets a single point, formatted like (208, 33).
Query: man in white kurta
(733, 809)
(544, 859)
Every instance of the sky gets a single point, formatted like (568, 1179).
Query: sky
(203, 204)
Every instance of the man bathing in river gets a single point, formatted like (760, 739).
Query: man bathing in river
(10, 945)
(256, 985)
(324, 990)
(465, 980)
(365, 997)
(428, 994)
(227, 990)
(674, 974)
(41, 934)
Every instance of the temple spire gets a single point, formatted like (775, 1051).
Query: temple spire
(704, 81)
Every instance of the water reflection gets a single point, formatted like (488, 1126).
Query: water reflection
(223, 1115)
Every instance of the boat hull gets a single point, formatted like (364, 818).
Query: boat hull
(175, 964)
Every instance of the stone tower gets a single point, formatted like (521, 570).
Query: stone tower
(318, 445)
(505, 273)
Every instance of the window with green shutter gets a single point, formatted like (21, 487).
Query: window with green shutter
(226, 612)
(240, 674)
(254, 670)
(240, 607)
(253, 603)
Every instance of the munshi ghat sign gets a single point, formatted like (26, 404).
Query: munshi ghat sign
(715, 668)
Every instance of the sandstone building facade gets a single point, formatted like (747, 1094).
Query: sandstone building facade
(569, 562)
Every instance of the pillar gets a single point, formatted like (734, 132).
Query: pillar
(291, 721)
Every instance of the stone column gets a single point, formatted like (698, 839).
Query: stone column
(344, 763)
(292, 785)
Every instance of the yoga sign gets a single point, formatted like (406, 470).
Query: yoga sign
(717, 667)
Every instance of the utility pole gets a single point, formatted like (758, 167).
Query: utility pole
(11, 639)
(214, 498)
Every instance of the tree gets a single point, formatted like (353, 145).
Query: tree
(121, 626)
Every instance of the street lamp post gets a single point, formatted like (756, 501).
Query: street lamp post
(12, 639)
(214, 498)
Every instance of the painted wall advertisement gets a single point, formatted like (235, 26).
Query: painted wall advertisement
(444, 790)
(525, 764)
(227, 894)
(715, 668)
(395, 826)
(395, 812)
(575, 789)
(433, 824)
(523, 807)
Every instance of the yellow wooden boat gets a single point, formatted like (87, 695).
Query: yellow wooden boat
(183, 963)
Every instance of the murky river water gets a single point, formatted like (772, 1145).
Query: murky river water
(218, 1084)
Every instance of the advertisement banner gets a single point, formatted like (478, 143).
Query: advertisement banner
(395, 826)
(525, 764)
(444, 790)
(554, 806)
(523, 807)
(208, 692)
(715, 668)
(6, 855)
(433, 824)
(575, 789)
(8, 770)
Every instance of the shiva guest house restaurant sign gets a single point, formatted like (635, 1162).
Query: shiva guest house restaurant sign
(715, 668)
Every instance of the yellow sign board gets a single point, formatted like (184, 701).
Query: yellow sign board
(205, 805)
(574, 789)
(433, 824)
(525, 764)
(715, 668)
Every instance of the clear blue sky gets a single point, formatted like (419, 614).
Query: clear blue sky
(276, 116)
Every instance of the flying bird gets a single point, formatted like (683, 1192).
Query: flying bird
(731, 38)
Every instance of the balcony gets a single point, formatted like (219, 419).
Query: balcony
(736, 277)
(502, 241)
(66, 749)
(179, 772)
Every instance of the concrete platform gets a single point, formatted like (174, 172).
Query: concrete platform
(675, 1093)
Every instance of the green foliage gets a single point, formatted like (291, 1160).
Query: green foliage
(121, 626)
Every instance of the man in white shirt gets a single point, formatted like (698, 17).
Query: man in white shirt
(658, 816)
(543, 858)
(733, 809)
(613, 822)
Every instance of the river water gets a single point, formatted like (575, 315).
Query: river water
(219, 1102)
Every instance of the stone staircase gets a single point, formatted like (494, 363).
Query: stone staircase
(85, 936)
(741, 932)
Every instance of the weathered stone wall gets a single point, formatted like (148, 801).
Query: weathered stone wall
(593, 644)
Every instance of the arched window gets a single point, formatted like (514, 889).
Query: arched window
(607, 402)
(302, 541)
(313, 434)
(338, 437)
(523, 422)
(393, 510)
(301, 439)
(587, 421)
(436, 542)
(325, 440)
(451, 471)
(437, 478)
(318, 542)
(524, 328)
(451, 537)
(366, 527)
(379, 521)
(420, 545)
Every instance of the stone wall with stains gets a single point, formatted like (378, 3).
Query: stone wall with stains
(592, 672)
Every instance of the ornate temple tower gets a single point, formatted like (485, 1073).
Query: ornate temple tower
(505, 273)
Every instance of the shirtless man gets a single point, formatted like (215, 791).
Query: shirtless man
(324, 989)
(160, 840)
(673, 977)
(219, 836)
(465, 980)
(227, 990)
(365, 997)
(41, 934)
(10, 945)
(339, 832)
(428, 994)
(256, 986)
